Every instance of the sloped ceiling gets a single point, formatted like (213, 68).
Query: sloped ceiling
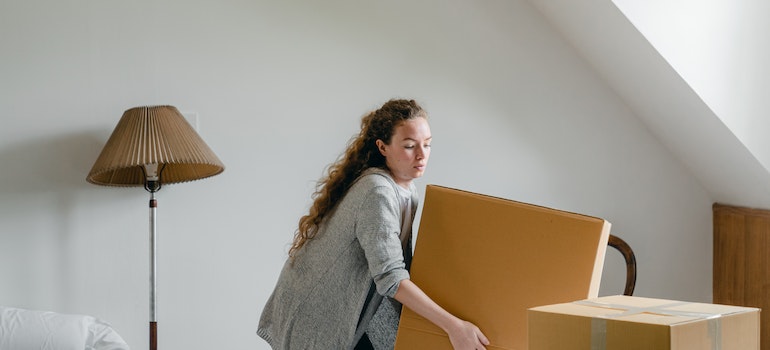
(661, 99)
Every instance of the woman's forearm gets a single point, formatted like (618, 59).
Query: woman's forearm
(414, 298)
(462, 334)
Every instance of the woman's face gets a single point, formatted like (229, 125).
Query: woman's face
(406, 156)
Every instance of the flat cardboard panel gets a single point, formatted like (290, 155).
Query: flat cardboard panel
(488, 260)
(635, 323)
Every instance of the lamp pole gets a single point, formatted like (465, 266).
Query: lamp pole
(152, 185)
(153, 274)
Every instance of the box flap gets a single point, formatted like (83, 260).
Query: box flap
(643, 310)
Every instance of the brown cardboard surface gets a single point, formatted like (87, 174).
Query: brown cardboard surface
(487, 260)
(635, 323)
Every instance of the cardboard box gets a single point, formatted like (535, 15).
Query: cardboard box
(634, 323)
(487, 260)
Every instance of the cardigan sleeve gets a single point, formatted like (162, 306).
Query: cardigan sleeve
(378, 227)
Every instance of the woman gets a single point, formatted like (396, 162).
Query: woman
(347, 273)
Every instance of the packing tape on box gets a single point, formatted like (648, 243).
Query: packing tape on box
(599, 323)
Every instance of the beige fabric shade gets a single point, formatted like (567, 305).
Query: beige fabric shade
(153, 135)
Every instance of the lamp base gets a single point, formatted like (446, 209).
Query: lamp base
(153, 335)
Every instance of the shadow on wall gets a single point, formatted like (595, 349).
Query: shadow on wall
(54, 164)
(41, 179)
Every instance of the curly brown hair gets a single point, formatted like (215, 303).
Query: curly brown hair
(361, 153)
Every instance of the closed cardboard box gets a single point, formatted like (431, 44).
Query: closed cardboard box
(487, 260)
(635, 323)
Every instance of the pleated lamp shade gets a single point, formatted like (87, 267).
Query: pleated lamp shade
(153, 135)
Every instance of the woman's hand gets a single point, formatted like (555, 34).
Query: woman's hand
(465, 335)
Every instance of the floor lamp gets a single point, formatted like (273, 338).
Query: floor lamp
(152, 146)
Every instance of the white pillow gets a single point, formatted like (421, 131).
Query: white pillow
(22, 329)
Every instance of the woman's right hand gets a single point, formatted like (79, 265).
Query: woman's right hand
(466, 336)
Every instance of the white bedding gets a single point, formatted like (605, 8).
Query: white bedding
(22, 329)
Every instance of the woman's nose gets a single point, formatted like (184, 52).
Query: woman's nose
(420, 152)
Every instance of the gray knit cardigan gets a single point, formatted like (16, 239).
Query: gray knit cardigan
(318, 300)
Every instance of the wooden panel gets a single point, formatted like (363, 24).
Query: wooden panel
(741, 249)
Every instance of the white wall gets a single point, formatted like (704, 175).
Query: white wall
(278, 88)
(721, 49)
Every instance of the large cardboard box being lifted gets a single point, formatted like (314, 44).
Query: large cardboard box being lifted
(487, 260)
(622, 322)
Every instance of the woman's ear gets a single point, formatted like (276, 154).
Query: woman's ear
(381, 146)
